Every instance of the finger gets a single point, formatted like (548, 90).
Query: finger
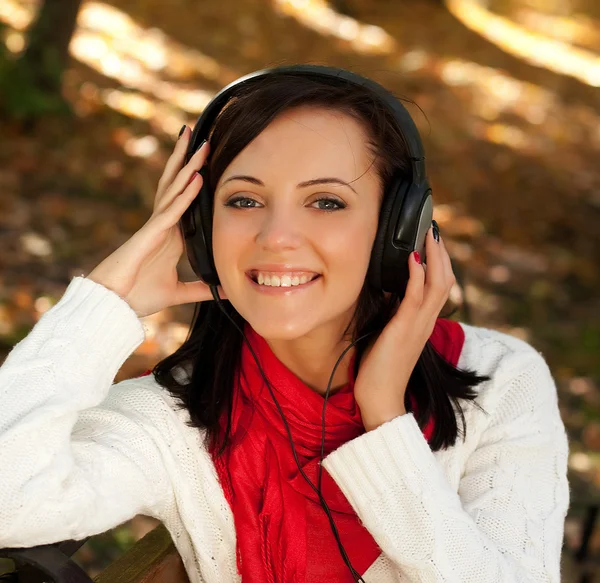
(449, 275)
(174, 163)
(446, 259)
(194, 291)
(438, 277)
(435, 263)
(415, 287)
(184, 176)
(170, 215)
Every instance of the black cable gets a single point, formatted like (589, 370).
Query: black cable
(317, 489)
(357, 577)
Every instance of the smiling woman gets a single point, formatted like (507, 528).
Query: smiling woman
(298, 177)
(308, 429)
(297, 221)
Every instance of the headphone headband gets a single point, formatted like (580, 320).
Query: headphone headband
(407, 207)
(411, 133)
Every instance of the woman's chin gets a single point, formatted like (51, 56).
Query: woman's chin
(280, 317)
(272, 327)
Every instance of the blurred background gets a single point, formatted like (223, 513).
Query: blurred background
(92, 96)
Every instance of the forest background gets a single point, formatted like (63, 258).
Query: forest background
(507, 101)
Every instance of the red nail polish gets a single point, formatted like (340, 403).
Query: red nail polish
(417, 257)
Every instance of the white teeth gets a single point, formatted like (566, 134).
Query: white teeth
(284, 280)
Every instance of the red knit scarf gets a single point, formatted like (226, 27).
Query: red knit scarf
(283, 534)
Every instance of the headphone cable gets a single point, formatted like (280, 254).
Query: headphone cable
(317, 489)
(357, 577)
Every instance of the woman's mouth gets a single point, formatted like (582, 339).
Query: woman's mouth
(281, 282)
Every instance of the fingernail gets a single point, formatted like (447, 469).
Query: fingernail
(436, 230)
(181, 130)
(417, 257)
(202, 144)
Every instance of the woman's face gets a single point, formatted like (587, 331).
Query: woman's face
(271, 226)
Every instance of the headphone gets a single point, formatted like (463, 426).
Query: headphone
(407, 208)
(405, 217)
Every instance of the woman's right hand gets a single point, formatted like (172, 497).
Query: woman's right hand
(143, 271)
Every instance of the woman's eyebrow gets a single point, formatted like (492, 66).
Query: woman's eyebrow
(326, 181)
(313, 182)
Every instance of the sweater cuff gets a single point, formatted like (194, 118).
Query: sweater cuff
(376, 463)
(92, 314)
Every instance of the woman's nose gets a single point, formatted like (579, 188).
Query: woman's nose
(279, 230)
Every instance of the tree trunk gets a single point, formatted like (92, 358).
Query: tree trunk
(47, 52)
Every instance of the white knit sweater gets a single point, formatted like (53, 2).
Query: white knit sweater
(80, 455)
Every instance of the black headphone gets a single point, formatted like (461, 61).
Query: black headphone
(407, 207)
(404, 220)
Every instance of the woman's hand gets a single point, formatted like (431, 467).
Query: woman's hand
(143, 271)
(388, 363)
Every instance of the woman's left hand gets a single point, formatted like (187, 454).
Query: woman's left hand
(388, 363)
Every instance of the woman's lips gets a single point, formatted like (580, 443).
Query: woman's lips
(278, 290)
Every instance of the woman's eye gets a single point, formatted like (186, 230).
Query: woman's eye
(329, 204)
(324, 204)
(243, 200)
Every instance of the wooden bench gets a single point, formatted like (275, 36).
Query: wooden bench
(153, 559)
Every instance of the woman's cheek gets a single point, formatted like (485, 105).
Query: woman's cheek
(351, 253)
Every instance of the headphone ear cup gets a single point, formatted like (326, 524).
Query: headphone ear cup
(199, 240)
(206, 219)
(390, 208)
(404, 221)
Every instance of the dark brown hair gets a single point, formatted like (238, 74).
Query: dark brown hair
(211, 352)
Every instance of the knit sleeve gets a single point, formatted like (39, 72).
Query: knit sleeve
(505, 523)
(76, 458)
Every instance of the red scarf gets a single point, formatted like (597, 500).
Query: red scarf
(283, 534)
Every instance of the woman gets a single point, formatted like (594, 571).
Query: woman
(297, 171)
